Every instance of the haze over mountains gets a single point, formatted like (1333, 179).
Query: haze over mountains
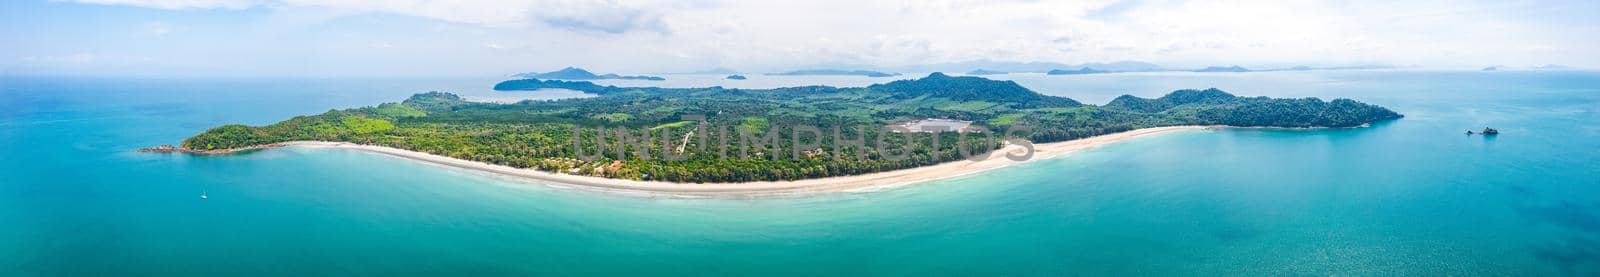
(1029, 67)
(574, 73)
(988, 67)
(835, 72)
(985, 67)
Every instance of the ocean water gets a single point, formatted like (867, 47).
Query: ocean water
(1412, 196)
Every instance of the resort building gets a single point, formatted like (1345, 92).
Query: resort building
(932, 125)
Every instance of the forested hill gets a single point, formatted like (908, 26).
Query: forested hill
(971, 89)
(1218, 107)
(539, 134)
(1180, 97)
(536, 84)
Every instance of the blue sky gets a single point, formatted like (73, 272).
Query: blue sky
(494, 38)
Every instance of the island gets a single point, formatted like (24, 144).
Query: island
(1084, 70)
(834, 72)
(573, 73)
(680, 139)
(735, 77)
(1223, 69)
(981, 71)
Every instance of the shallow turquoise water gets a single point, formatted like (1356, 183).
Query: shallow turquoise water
(1412, 196)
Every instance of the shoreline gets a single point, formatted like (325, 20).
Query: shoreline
(877, 180)
(869, 181)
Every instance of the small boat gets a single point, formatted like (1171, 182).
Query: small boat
(203, 195)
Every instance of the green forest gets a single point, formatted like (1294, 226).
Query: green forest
(679, 134)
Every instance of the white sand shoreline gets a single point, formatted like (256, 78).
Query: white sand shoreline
(864, 182)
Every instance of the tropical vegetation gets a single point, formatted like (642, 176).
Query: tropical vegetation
(717, 134)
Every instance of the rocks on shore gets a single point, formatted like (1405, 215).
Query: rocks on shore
(164, 148)
(168, 148)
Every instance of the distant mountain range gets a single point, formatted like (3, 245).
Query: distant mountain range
(836, 72)
(1294, 68)
(981, 71)
(1542, 67)
(1028, 67)
(1223, 69)
(573, 73)
(987, 66)
(1080, 71)
(975, 68)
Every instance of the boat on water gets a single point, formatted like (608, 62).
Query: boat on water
(203, 195)
(1486, 131)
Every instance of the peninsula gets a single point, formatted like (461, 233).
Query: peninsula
(705, 135)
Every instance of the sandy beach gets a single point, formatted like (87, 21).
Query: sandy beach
(831, 184)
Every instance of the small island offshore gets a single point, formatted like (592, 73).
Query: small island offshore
(786, 139)
(573, 73)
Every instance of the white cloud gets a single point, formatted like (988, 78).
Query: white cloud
(157, 28)
(755, 35)
(607, 16)
(481, 12)
(175, 4)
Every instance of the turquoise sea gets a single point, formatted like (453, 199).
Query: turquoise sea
(1408, 197)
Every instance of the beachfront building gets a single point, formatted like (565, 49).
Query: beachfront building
(932, 125)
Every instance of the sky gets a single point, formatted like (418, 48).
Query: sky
(419, 38)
